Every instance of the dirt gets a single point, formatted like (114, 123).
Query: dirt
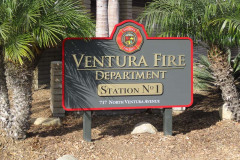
(198, 134)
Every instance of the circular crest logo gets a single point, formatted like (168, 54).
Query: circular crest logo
(129, 39)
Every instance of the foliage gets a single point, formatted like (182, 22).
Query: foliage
(213, 23)
(203, 75)
(26, 27)
(208, 22)
(29, 25)
(204, 20)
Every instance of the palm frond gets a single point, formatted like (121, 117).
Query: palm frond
(48, 34)
(41, 24)
(203, 75)
(19, 47)
(5, 29)
(204, 79)
(198, 19)
(28, 17)
(236, 66)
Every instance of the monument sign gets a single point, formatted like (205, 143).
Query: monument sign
(128, 70)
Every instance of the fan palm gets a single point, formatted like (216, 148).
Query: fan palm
(203, 21)
(203, 75)
(26, 27)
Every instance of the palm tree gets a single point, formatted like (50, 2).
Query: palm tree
(102, 18)
(203, 21)
(4, 101)
(113, 14)
(107, 17)
(34, 25)
(5, 28)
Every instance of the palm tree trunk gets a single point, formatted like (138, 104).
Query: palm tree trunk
(113, 14)
(102, 18)
(4, 101)
(20, 80)
(222, 72)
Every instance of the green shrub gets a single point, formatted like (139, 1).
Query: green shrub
(203, 75)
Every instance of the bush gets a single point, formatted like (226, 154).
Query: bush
(203, 75)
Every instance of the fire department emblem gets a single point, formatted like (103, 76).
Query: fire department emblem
(129, 39)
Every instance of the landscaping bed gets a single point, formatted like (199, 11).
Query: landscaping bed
(198, 134)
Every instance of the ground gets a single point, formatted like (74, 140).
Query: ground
(198, 134)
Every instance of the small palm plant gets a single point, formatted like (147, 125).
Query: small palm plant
(27, 27)
(203, 75)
